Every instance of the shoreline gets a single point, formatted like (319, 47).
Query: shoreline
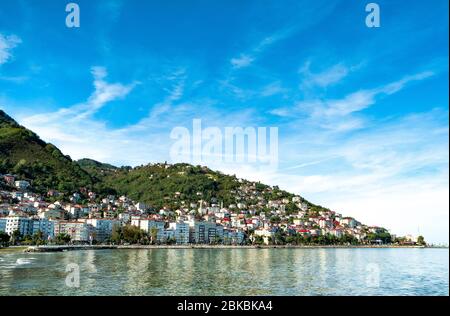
(148, 247)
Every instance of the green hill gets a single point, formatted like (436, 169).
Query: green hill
(23, 153)
(168, 185)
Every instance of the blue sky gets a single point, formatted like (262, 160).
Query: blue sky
(362, 112)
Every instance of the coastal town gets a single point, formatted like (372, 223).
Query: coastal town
(86, 218)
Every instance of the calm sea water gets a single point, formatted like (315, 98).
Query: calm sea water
(230, 272)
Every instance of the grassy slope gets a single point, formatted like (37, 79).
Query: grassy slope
(23, 153)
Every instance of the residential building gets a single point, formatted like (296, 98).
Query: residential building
(9, 179)
(204, 232)
(181, 230)
(165, 235)
(78, 231)
(266, 234)
(102, 227)
(47, 227)
(22, 224)
(3, 224)
(348, 221)
(22, 185)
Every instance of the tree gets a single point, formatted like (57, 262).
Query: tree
(290, 240)
(349, 239)
(116, 235)
(62, 239)
(258, 240)
(171, 241)
(132, 234)
(38, 238)
(279, 238)
(421, 241)
(153, 234)
(275, 219)
(15, 237)
(4, 239)
(27, 240)
(321, 240)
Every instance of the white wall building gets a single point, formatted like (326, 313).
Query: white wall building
(22, 224)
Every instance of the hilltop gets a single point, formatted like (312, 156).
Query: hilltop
(166, 185)
(24, 154)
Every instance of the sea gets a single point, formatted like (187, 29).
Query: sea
(228, 272)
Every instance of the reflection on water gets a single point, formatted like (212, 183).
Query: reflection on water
(230, 272)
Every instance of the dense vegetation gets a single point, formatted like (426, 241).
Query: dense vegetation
(159, 185)
(24, 154)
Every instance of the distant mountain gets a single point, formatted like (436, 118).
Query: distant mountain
(23, 153)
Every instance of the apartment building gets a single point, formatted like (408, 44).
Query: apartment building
(181, 232)
(22, 224)
(47, 227)
(2, 224)
(102, 227)
(78, 231)
(203, 233)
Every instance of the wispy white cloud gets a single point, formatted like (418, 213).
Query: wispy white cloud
(7, 44)
(272, 89)
(14, 79)
(67, 124)
(338, 114)
(325, 78)
(363, 99)
(104, 92)
(241, 61)
(247, 58)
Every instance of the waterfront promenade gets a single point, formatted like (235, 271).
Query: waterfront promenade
(59, 248)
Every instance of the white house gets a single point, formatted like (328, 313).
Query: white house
(266, 234)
